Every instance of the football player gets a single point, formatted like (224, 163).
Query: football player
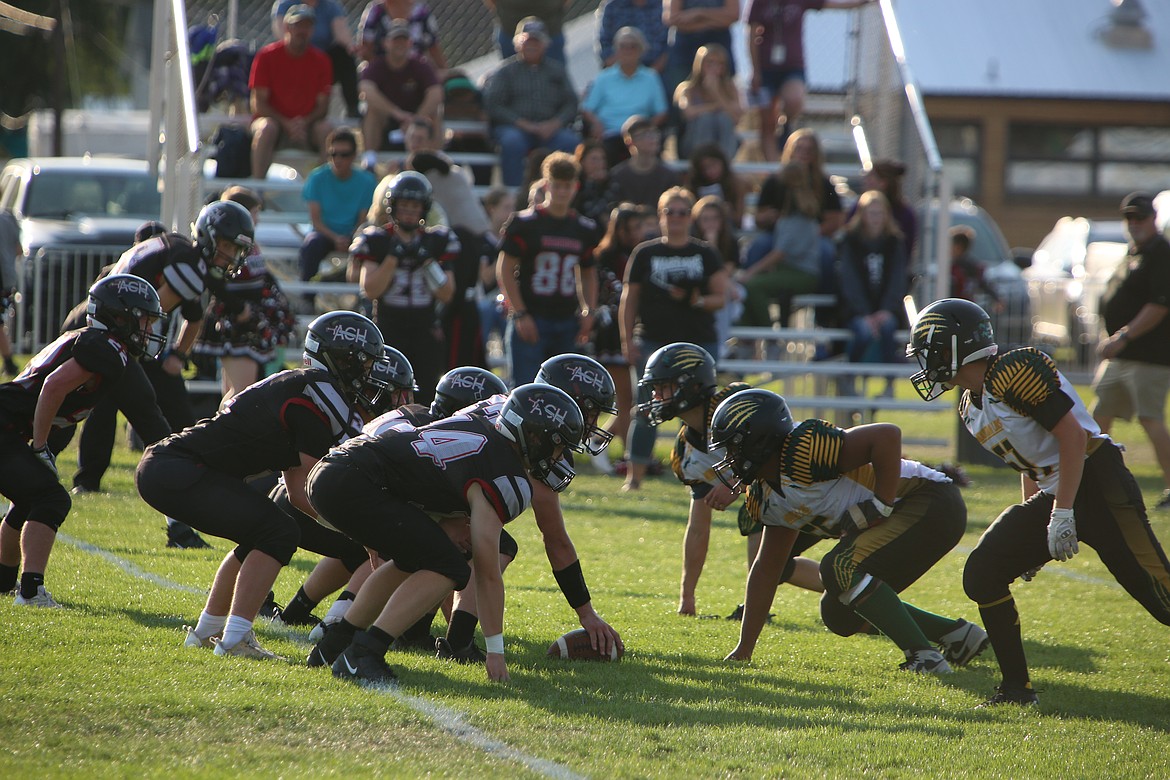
(379, 490)
(681, 380)
(59, 387)
(406, 271)
(1076, 485)
(284, 423)
(894, 518)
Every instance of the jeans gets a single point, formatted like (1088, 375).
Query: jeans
(556, 337)
(642, 433)
(515, 144)
(863, 340)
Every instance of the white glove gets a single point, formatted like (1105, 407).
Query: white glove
(433, 275)
(1062, 534)
(46, 456)
(865, 515)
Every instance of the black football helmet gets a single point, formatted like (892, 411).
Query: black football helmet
(590, 385)
(228, 220)
(408, 185)
(948, 335)
(148, 230)
(544, 422)
(347, 345)
(464, 386)
(390, 383)
(118, 303)
(688, 370)
(750, 426)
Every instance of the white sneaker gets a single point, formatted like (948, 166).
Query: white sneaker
(193, 639)
(318, 632)
(963, 643)
(601, 463)
(42, 599)
(248, 647)
(926, 661)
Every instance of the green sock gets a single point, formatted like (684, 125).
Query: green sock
(888, 614)
(932, 625)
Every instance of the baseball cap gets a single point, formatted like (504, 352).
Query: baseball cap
(532, 25)
(636, 124)
(1138, 203)
(299, 13)
(399, 28)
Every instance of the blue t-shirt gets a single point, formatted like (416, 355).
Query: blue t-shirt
(614, 98)
(341, 200)
(327, 11)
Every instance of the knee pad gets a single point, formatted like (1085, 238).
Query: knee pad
(981, 582)
(789, 570)
(508, 545)
(241, 552)
(279, 538)
(50, 507)
(840, 618)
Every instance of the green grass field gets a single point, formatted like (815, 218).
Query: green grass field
(103, 688)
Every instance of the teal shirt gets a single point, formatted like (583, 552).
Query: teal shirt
(341, 201)
(615, 98)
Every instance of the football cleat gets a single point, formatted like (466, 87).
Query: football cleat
(1004, 694)
(963, 643)
(464, 655)
(42, 599)
(406, 644)
(325, 652)
(269, 609)
(279, 620)
(248, 647)
(319, 630)
(193, 640)
(926, 661)
(184, 537)
(363, 667)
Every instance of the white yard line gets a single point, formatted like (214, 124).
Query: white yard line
(447, 719)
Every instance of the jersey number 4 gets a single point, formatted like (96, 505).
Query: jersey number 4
(445, 446)
(553, 274)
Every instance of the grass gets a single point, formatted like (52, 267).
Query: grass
(103, 688)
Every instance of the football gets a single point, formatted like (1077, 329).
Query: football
(575, 646)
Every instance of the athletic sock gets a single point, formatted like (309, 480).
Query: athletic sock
(888, 614)
(422, 629)
(934, 626)
(462, 629)
(30, 582)
(373, 640)
(338, 609)
(235, 630)
(1002, 622)
(8, 577)
(209, 625)
(300, 609)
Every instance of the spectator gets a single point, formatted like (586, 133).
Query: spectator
(397, 86)
(871, 273)
(1135, 375)
(713, 224)
(967, 278)
(776, 46)
(710, 103)
(546, 270)
(509, 14)
(885, 176)
(338, 194)
(531, 102)
(625, 89)
(643, 178)
(643, 15)
(694, 24)
(464, 115)
(710, 173)
(290, 82)
(380, 16)
(498, 204)
(331, 35)
(9, 249)
(673, 287)
(598, 192)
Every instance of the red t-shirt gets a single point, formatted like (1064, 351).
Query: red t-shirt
(781, 45)
(293, 83)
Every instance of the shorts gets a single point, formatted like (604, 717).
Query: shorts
(1126, 387)
(773, 80)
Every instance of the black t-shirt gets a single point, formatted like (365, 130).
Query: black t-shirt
(549, 250)
(658, 267)
(94, 350)
(774, 194)
(266, 427)
(407, 304)
(1142, 277)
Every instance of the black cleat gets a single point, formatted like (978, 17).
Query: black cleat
(269, 609)
(464, 655)
(184, 537)
(281, 619)
(737, 614)
(423, 644)
(362, 667)
(325, 652)
(1024, 697)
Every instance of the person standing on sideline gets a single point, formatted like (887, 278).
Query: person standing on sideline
(1135, 375)
(1075, 482)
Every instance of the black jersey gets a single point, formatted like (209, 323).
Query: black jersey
(266, 427)
(94, 350)
(407, 302)
(402, 418)
(173, 259)
(549, 250)
(434, 466)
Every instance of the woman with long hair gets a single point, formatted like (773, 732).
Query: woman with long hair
(713, 225)
(710, 173)
(597, 192)
(710, 103)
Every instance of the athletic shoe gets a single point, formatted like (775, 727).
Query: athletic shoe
(326, 651)
(281, 621)
(425, 644)
(361, 667)
(269, 609)
(83, 490)
(1164, 501)
(319, 630)
(193, 639)
(737, 614)
(42, 599)
(184, 537)
(926, 661)
(1025, 697)
(464, 655)
(601, 463)
(247, 647)
(963, 643)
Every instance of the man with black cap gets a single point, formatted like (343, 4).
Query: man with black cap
(1134, 376)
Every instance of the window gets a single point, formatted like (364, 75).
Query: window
(958, 145)
(1105, 162)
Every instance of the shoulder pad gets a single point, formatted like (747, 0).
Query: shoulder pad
(373, 242)
(1026, 374)
(811, 452)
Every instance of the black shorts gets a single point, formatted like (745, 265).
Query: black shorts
(319, 539)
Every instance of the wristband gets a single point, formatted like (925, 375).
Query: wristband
(183, 356)
(571, 581)
(519, 315)
(494, 643)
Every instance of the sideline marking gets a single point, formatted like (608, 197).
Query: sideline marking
(447, 719)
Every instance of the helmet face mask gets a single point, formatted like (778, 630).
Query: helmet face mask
(681, 376)
(947, 335)
(543, 422)
(751, 427)
(464, 386)
(349, 346)
(224, 220)
(589, 384)
(408, 186)
(128, 307)
(389, 383)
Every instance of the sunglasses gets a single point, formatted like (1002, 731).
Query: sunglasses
(333, 153)
(676, 212)
(1137, 217)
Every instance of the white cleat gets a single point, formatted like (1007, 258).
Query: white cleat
(42, 599)
(248, 647)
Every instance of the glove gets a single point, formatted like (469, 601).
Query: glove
(46, 456)
(865, 515)
(1062, 534)
(433, 275)
(1030, 574)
